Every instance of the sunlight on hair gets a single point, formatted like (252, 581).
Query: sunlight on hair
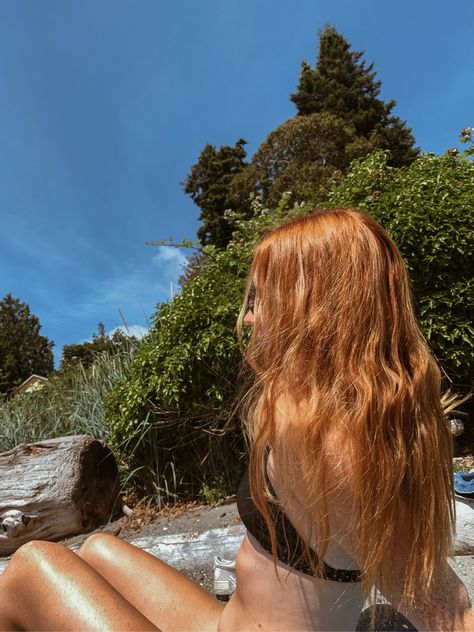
(336, 342)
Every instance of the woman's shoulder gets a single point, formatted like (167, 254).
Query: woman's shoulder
(334, 446)
(298, 496)
(296, 450)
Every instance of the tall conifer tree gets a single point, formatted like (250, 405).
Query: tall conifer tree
(208, 185)
(343, 85)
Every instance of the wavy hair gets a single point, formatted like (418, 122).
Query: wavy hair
(336, 333)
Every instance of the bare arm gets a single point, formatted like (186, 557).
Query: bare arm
(447, 608)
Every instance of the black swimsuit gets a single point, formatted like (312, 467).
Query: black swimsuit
(290, 546)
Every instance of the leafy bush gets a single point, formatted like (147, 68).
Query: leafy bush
(174, 413)
(428, 209)
(172, 416)
(214, 491)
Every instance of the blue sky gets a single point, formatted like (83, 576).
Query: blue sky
(105, 105)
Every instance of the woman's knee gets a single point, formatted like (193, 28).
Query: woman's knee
(28, 559)
(98, 546)
(36, 550)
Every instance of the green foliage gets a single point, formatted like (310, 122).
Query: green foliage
(214, 491)
(174, 412)
(466, 137)
(340, 117)
(428, 209)
(342, 85)
(208, 185)
(299, 156)
(85, 353)
(69, 403)
(23, 350)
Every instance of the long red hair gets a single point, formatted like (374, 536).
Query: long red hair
(335, 329)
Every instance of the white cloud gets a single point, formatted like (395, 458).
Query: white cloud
(133, 287)
(170, 261)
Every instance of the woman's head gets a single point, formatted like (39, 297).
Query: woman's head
(332, 293)
(334, 328)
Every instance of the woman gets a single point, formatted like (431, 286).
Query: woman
(350, 465)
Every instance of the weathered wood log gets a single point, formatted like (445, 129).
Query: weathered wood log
(54, 488)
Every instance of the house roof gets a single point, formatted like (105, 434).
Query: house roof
(32, 378)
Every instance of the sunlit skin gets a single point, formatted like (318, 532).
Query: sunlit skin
(249, 318)
(110, 585)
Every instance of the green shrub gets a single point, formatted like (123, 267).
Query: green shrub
(175, 411)
(428, 209)
(171, 417)
(214, 491)
(172, 412)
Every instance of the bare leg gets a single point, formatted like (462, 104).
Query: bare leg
(166, 597)
(47, 587)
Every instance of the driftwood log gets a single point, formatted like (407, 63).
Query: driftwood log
(54, 488)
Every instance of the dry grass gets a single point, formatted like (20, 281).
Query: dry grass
(70, 403)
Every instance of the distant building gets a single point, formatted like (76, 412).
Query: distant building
(33, 383)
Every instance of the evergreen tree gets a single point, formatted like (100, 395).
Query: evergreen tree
(23, 350)
(342, 85)
(340, 117)
(86, 352)
(208, 185)
(100, 335)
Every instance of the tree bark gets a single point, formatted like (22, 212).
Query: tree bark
(54, 488)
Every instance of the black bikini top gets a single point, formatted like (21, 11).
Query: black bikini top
(291, 549)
